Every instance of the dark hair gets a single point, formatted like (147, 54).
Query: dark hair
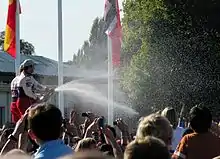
(105, 147)
(200, 119)
(27, 67)
(45, 121)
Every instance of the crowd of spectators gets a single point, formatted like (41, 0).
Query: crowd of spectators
(42, 133)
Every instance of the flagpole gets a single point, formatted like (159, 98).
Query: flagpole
(17, 24)
(60, 56)
(110, 84)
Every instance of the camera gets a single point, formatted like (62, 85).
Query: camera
(115, 123)
(85, 115)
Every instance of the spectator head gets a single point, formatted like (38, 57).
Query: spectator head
(148, 147)
(108, 154)
(86, 144)
(200, 119)
(45, 122)
(16, 154)
(86, 155)
(106, 149)
(28, 66)
(157, 126)
(75, 141)
(170, 114)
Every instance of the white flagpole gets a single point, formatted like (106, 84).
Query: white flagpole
(110, 84)
(17, 23)
(60, 56)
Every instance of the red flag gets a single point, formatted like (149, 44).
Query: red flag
(10, 31)
(113, 28)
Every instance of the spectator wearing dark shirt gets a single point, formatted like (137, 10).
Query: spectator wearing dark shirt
(201, 144)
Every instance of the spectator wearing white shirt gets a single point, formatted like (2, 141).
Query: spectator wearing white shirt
(170, 114)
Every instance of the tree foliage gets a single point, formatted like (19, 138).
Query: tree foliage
(171, 52)
(93, 53)
(26, 47)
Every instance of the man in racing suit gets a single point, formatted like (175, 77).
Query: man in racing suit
(27, 86)
(14, 94)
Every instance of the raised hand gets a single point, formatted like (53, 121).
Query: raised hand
(121, 125)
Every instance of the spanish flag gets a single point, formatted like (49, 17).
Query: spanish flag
(10, 31)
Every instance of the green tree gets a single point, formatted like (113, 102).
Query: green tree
(26, 47)
(173, 53)
(93, 52)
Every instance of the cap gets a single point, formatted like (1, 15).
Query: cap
(21, 66)
(27, 62)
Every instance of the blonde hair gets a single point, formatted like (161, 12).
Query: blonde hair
(85, 144)
(157, 126)
(148, 147)
(88, 154)
(170, 114)
(16, 154)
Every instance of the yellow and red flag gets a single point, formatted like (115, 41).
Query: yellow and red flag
(10, 31)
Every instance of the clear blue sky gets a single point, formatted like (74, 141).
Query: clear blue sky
(38, 23)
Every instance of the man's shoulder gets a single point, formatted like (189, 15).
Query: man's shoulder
(58, 151)
(189, 137)
(14, 81)
(16, 78)
(66, 149)
(192, 135)
(39, 155)
(28, 80)
(23, 77)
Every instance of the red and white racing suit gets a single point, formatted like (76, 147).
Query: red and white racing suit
(27, 85)
(14, 94)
